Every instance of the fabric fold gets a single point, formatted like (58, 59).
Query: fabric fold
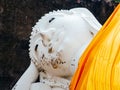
(99, 66)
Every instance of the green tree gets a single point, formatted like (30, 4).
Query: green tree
(117, 0)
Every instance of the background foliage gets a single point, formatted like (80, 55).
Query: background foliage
(17, 17)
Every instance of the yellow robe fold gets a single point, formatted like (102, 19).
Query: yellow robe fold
(99, 66)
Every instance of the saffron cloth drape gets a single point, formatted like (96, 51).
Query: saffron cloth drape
(99, 66)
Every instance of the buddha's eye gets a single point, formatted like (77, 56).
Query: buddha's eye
(36, 47)
(51, 20)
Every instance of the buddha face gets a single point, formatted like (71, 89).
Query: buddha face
(57, 41)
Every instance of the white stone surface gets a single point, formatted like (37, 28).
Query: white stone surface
(57, 41)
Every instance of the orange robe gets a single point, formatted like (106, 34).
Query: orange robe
(99, 66)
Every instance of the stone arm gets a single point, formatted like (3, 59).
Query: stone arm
(29, 77)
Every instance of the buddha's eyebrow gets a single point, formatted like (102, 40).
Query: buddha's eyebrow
(51, 20)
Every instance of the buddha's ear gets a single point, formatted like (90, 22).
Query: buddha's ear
(89, 18)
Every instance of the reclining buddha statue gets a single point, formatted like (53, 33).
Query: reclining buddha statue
(57, 41)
